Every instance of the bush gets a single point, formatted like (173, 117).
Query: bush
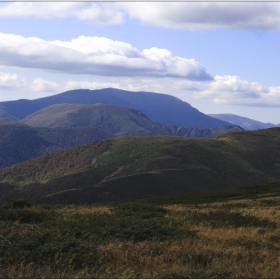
(17, 203)
(143, 211)
(230, 219)
(197, 259)
(46, 249)
(134, 222)
(19, 210)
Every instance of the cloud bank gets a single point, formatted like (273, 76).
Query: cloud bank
(96, 56)
(227, 90)
(207, 15)
(231, 90)
(182, 15)
(97, 13)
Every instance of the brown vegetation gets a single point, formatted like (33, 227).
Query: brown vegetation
(214, 250)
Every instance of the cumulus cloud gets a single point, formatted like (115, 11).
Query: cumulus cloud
(224, 90)
(40, 85)
(12, 81)
(98, 13)
(206, 15)
(232, 90)
(185, 15)
(96, 56)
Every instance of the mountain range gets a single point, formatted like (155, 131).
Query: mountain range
(162, 108)
(109, 144)
(245, 123)
(62, 126)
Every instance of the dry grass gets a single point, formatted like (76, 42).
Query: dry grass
(209, 257)
(74, 209)
(214, 252)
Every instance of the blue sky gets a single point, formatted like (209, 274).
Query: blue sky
(220, 57)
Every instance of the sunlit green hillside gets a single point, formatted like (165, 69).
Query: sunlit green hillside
(133, 166)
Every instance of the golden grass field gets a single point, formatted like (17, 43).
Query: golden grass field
(217, 250)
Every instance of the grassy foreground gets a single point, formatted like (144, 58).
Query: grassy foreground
(222, 234)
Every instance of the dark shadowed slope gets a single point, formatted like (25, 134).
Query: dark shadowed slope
(62, 126)
(19, 142)
(147, 165)
(246, 123)
(161, 108)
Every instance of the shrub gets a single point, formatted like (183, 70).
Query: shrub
(46, 249)
(229, 219)
(17, 203)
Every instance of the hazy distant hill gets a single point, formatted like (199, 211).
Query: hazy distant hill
(160, 108)
(63, 126)
(132, 166)
(246, 123)
(115, 120)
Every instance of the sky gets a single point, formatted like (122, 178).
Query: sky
(220, 57)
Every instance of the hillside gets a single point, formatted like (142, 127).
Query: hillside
(148, 165)
(115, 120)
(21, 142)
(246, 123)
(63, 126)
(162, 108)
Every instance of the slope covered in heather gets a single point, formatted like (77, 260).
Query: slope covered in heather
(147, 165)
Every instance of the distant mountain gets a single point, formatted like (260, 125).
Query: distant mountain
(158, 107)
(246, 123)
(115, 120)
(63, 126)
(126, 167)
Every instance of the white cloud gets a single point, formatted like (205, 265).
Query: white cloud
(100, 13)
(185, 15)
(12, 81)
(96, 56)
(206, 15)
(231, 90)
(40, 84)
(223, 90)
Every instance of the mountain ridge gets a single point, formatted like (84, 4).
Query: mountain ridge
(246, 123)
(147, 165)
(158, 107)
(62, 126)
